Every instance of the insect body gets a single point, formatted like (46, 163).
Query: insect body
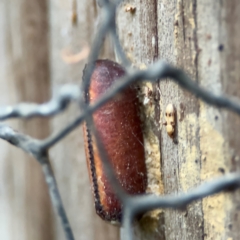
(170, 119)
(119, 128)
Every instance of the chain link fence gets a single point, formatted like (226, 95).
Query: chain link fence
(132, 205)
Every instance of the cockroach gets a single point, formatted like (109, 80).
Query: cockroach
(119, 129)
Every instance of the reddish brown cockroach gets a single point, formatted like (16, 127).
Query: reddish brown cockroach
(119, 127)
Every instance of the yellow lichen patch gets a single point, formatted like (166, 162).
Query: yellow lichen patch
(190, 168)
(214, 209)
(150, 226)
(192, 22)
(143, 66)
(213, 149)
(214, 154)
(151, 143)
(152, 151)
(152, 156)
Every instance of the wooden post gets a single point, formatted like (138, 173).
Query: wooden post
(200, 37)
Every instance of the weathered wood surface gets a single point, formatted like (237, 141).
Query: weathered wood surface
(202, 38)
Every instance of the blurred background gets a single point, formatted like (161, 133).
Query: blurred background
(44, 44)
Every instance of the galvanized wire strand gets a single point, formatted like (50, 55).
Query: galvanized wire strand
(157, 71)
(59, 102)
(142, 204)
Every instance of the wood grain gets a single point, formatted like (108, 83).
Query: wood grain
(201, 38)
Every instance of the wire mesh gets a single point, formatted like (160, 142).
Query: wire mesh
(132, 205)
